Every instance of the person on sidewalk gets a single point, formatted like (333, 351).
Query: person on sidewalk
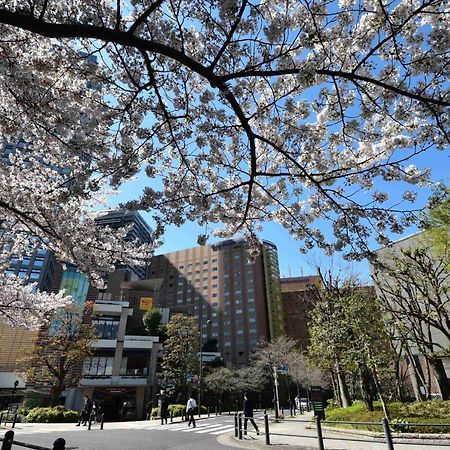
(248, 414)
(164, 410)
(190, 410)
(149, 409)
(85, 412)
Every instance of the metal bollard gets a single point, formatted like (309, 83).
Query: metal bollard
(266, 428)
(171, 416)
(208, 410)
(59, 444)
(90, 422)
(216, 410)
(387, 433)
(14, 421)
(240, 425)
(8, 440)
(235, 425)
(102, 422)
(319, 433)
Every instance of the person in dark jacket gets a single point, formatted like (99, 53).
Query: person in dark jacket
(85, 412)
(149, 409)
(165, 402)
(248, 414)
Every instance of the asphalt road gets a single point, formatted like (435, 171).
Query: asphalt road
(174, 436)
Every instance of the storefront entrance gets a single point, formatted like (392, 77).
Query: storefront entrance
(117, 403)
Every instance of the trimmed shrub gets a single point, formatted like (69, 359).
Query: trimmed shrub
(403, 416)
(177, 409)
(58, 414)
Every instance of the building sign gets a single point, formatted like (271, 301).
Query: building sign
(146, 303)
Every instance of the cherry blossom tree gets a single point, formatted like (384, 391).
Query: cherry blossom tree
(237, 111)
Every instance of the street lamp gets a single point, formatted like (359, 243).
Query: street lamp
(200, 372)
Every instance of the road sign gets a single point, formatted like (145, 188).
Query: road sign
(283, 369)
(189, 376)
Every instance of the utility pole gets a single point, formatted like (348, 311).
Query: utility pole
(200, 372)
(277, 398)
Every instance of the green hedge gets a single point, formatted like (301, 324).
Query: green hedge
(434, 411)
(57, 414)
(177, 410)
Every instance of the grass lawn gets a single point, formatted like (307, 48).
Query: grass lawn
(431, 412)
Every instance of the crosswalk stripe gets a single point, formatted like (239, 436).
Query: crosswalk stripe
(227, 430)
(217, 428)
(202, 427)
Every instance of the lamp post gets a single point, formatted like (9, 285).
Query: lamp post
(200, 372)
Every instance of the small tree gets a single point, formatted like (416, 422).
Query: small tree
(181, 354)
(269, 356)
(303, 374)
(348, 336)
(413, 288)
(437, 223)
(60, 351)
(152, 321)
(220, 382)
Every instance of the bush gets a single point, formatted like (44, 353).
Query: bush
(435, 411)
(177, 409)
(57, 414)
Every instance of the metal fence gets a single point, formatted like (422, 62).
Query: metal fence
(8, 417)
(8, 441)
(240, 430)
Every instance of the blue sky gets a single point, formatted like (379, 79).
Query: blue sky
(292, 262)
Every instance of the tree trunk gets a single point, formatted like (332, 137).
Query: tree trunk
(366, 388)
(399, 381)
(380, 393)
(414, 376)
(343, 390)
(336, 390)
(441, 377)
(56, 392)
(428, 380)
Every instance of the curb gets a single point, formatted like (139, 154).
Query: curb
(399, 438)
(230, 441)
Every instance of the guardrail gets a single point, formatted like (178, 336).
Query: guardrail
(9, 417)
(8, 441)
(94, 419)
(240, 430)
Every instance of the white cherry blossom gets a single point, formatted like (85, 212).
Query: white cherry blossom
(237, 111)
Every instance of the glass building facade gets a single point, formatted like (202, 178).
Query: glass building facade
(75, 284)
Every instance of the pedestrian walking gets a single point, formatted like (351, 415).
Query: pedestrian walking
(248, 414)
(164, 409)
(85, 412)
(96, 411)
(149, 409)
(190, 410)
(124, 411)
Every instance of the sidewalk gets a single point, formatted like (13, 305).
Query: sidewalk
(30, 428)
(281, 437)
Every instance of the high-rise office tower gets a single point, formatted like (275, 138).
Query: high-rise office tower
(236, 301)
(138, 231)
